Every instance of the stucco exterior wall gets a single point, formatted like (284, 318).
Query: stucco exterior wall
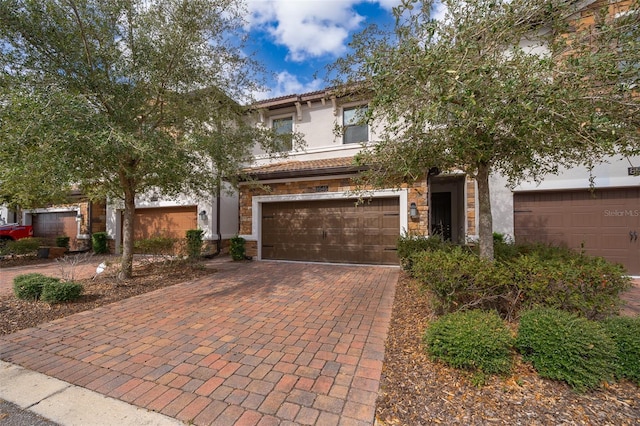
(317, 125)
(228, 213)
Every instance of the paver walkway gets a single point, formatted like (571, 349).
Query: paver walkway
(256, 343)
(631, 299)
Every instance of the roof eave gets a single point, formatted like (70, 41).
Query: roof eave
(317, 172)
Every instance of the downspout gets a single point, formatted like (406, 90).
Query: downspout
(219, 242)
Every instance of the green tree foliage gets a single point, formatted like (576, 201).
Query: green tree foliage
(514, 87)
(121, 97)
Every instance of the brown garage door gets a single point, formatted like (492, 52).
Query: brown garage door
(171, 222)
(332, 231)
(48, 226)
(605, 222)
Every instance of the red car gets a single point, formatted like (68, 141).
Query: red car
(14, 231)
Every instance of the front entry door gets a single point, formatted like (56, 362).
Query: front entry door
(441, 215)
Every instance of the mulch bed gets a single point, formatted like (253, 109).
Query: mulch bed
(417, 391)
(16, 314)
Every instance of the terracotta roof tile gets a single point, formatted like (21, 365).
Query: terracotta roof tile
(301, 166)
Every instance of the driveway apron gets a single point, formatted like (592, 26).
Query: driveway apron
(254, 343)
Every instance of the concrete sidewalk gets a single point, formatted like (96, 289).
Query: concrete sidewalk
(256, 343)
(66, 404)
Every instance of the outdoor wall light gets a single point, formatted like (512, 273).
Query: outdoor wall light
(79, 217)
(413, 211)
(203, 215)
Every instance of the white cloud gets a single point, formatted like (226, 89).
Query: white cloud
(387, 4)
(309, 28)
(288, 84)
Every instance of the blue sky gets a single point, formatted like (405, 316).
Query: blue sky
(296, 39)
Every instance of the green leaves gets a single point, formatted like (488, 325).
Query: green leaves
(120, 97)
(516, 86)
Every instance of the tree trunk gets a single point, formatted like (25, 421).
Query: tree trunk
(485, 229)
(127, 234)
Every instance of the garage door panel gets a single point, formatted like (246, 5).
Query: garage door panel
(599, 221)
(48, 226)
(168, 222)
(332, 231)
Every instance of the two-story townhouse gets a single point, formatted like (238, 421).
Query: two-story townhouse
(307, 208)
(601, 217)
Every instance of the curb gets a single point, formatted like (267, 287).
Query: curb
(70, 405)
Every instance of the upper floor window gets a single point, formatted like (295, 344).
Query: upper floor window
(283, 127)
(355, 129)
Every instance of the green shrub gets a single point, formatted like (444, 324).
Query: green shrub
(409, 245)
(586, 285)
(100, 242)
(23, 246)
(194, 243)
(625, 332)
(237, 249)
(472, 340)
(460, 279)
(56, 292)
(564, 346)
(503, 249)
(62, 241)
(545, 251)
(30, 286)
(157, 246)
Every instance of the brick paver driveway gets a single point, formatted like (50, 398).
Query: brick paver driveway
(255, 343)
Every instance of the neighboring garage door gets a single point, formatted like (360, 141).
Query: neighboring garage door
(171, 222)
(51, 225)
(606, 222)
(332, 231)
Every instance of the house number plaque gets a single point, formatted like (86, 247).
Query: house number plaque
(634, 171)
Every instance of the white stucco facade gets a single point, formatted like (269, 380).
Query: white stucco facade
(207, 221)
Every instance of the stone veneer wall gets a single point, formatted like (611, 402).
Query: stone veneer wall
(471, 206)
(417, 194)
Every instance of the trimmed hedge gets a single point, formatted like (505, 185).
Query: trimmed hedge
(460, 279)
(56, 292)
(22, 246)
(472, 340)
(563, 346)
(589, 286)
(625, 332)
(158, 246)
(194, 243)
(100, 242)
(30, 286)
(237, 249)
(408, 245)
(558, 278)
(63, 241)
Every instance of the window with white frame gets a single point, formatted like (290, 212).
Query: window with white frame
(283, 128)
(355, 128)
